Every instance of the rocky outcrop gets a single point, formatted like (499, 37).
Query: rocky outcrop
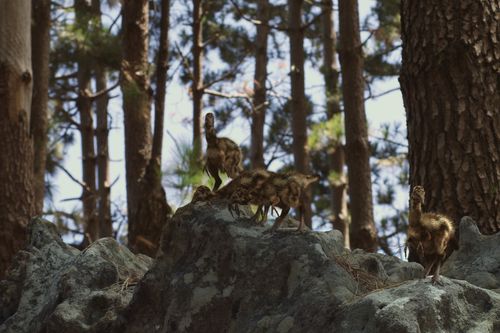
(478, 258)
(420, 306)
(52, 287)
(215, 273)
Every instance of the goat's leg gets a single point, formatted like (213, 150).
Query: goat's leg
(279, 220)
(214, 172)
(301, 219)
(255, 216)
(264, 214)
(429, 268)
(435, 278)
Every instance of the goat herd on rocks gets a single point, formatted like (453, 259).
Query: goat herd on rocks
(429, 234)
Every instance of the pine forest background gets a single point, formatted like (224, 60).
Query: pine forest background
(120, 90)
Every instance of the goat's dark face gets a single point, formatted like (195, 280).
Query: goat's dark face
(209, 120)
(418, 194)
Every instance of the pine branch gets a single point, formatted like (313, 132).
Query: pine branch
(103, 92)
(225, 95)
(372, 96)
(60, 166)
(185, 61)
(254, 21)
(313, 21)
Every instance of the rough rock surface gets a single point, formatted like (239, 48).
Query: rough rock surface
(215, 274)
(218, 274)
(478, 258)
(52, 287)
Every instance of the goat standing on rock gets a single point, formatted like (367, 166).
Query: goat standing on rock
(223, 154)
(428, 234)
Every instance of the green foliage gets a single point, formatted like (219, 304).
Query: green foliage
(185, 172)
(224, 40)
(384, 23)
(74, 43)
(326, 134)
(389, 167)
(335, 178)
(387, 14)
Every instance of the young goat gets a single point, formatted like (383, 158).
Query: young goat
(222, 154)
(278, 190)
(428, 234)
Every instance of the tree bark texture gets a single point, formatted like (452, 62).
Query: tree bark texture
(450, 82)
(83, 13)
(17, 199)
(363, 233)
(259, 82)
(40, 46)
(102, 133)
(336, 155)
(161, 82)
(147, 210)
(197, 88)
(154, 207)
(136, 106)
(298, 102)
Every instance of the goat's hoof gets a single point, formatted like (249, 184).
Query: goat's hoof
(436, 281)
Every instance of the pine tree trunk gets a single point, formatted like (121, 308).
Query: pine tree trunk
(260, 77)
(84, 105)
(17, 199)
(450, 84)
(197, 88)
(147, 206)
(102, 133)
(40, 44)
(136, 107)
(336, 155)
(161, 82)
(298, 102)
(154, 209)
(363, 233)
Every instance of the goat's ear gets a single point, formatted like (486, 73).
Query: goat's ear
(310, 179)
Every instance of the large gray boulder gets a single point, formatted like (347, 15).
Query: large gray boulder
(215, 273)
(478, 258)
(419, 306)
(53, 287)
(218, 274)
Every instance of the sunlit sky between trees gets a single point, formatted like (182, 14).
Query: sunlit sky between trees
(385, 109)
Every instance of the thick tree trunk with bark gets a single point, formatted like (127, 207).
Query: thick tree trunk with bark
(154, 205)
(17, 199)
(331, 74)
(450, 84)
(363, 233)
(83, 13)
(136, 107)
(147, 207)
(197, 87)
(259, 83)
(40, 46)
(298, 102)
